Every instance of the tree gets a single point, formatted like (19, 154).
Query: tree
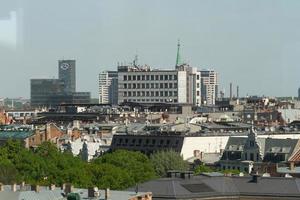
(137, 165)
(163, 161)
(202, 169)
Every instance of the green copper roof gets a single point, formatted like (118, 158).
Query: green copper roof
(15, 134)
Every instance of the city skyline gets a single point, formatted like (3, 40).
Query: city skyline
(252, 44)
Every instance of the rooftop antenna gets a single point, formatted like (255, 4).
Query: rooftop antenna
(178, 59)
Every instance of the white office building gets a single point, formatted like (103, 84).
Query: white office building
(108, 87)
(209, 83)
(143, 85)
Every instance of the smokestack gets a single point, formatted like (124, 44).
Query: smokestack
(237, 91)
(230, 91)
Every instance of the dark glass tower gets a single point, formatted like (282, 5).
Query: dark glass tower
(67, 74)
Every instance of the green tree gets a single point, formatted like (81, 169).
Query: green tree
(164, 161)
(137, 165)
(202, 169)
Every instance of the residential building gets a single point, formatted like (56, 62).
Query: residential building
(209, 86)
(108, 87)
(251, 153)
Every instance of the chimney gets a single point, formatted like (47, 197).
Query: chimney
(22, 186)
(35, 188)
(1, 187)
(14, 187)
(52, 187)
(237, 91)
(230, 91)
(107, 194)
(68, 188)
(92, 192)
(255, 178)
(292, 166)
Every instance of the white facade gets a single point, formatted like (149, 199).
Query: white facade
(209, 90)
(143, 85)
(104, 83)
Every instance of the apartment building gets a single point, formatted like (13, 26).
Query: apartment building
(108, 87)
(209, 89)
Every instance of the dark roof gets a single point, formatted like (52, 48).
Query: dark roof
(4, 135)
(205, 186)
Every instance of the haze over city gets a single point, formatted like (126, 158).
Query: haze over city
(253, 44)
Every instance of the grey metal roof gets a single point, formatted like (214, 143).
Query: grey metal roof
(217, 186)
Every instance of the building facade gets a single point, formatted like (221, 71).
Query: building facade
(143, 85)
(108, 87)
(209, 89)
(52, 92)
(67, 74)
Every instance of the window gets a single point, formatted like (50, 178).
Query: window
(175, 77)
(170, 85)
(143, 85)
(246, 156)
(152, 85)
(133, 85)
(147, 85)
(152, 77)
(129, 85)
(147, 77)
(152, 93)
(138, 93)
(125, 94)
(157, 93)
(161, 77)
(161, 93)
(170, 93)
(166, 77)
(198, 77)
(125, 78)
(156, 77)
(198, 85)
(252, 156)
(166, 85)
(166, 93)
(156, 85)
(170, 77)
(161, 85)
(198, 93)
(134, 93)
(129, 78)
(129, 94)
(143, 93)
(138, 86)
(138, 77)
(143, 77)
(134, 77)
(147, 93)
(125, 85)
(175, 85)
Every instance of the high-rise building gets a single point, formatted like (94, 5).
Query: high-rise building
(299, 93)
(52, 92)
(108, 87)
(67, 74)
(209, 86)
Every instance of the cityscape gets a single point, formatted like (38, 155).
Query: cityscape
(188, 130)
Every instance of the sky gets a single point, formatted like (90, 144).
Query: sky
(252, 43)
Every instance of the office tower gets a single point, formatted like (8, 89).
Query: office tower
(108, 87)
(209, 86)
(230, 91)
(67, 74)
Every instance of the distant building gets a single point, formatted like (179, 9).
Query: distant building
(299, 93)
(67, 74)
(108, 87)
(251, 153)
(209, 86)
(141, 84)
(52, 92)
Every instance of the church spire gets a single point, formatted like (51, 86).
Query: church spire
(178, 58)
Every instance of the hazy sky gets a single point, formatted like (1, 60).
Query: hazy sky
(254, 43)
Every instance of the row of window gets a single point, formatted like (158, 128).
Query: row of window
(152, 100)
(150, 94)
(149, 85)
(145, 142)
(149, 77)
